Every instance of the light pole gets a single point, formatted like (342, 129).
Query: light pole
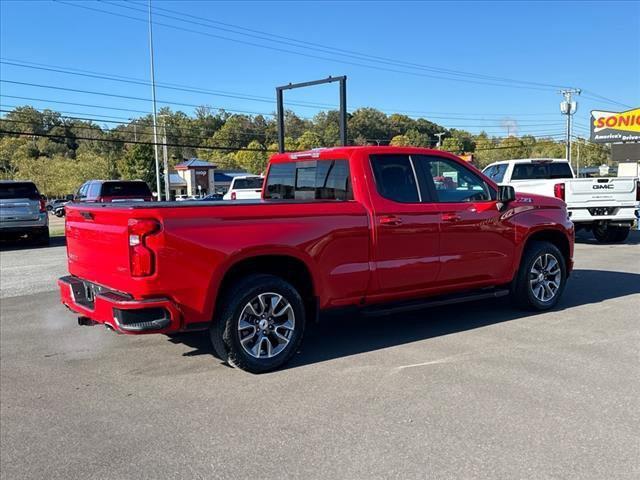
(153, 98)
(439, 135)
(568, 107)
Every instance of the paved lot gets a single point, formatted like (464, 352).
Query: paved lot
(474, 391)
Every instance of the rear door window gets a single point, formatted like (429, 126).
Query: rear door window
(19, 190)
(395, 178)
(309, 180)
(125, 189)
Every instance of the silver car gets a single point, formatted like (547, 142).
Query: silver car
(23, 211)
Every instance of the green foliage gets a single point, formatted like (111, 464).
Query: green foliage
(60, 153)
(253, 161)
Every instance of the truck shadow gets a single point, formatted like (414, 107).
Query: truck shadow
(343, 335)
(584, 237)
(26, 244)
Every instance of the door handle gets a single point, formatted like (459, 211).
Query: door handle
(390, 220)
(450, 217)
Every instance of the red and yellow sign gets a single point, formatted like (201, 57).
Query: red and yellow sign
(609, 127)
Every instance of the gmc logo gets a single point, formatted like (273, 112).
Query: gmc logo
(605, 187)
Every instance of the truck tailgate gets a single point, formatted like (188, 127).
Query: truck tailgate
(619, 191)
(97, 244)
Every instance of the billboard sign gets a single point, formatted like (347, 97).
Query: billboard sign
(614, 127)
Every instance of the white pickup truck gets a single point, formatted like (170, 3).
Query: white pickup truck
(607, 206)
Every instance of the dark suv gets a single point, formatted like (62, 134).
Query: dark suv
(114, 191)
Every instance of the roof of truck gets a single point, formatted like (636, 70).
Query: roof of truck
(334, 152)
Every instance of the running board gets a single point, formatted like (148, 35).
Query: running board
(376, 311)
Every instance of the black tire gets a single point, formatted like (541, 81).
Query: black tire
(42, 238)
(605, 233)
(224, 331)
(622, 234)
(522, 292)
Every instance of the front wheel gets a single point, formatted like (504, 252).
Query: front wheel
(541, 278)
(260, 323)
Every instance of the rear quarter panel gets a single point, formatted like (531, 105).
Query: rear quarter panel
(198, 244)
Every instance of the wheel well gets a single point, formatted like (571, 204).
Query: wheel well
(288, 268)
(554, 237)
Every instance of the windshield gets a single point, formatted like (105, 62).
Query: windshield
(125, 189)
(247, 183)
(19, 190)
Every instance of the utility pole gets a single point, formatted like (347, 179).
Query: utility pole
(155, 113)
(568, 107)
(165, 161)
(439, 135)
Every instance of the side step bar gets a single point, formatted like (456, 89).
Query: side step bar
(376, 311)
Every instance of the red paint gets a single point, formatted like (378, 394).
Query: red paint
(357, 252)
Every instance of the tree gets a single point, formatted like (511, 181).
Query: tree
(369, 125)
(309, 140)
(400, 141)
(254, 160)
(453, 145)
(139, 164)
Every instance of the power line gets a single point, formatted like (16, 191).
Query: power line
(136, 142)
(134, 81)
(129, 97)
(329, 49)
(374, 67)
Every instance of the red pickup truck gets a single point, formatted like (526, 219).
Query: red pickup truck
(377, 228)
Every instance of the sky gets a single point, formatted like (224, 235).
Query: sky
(492, 66)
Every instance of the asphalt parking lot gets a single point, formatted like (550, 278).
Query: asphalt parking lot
(472, 391)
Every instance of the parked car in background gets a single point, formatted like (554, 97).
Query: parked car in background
(51, 204)
(607, 206)
(107, 191)
(245, 188)
(347, 227)
(23, 211)
(212, 197)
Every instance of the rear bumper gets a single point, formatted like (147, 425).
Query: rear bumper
(620, 214)
(119, 311)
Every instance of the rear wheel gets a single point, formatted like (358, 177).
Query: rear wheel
(42, 237)
(541, 278)
(605, 233)
(260, 323)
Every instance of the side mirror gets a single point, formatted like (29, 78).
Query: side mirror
(506, 194)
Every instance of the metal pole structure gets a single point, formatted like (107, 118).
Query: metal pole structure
(578, 160)
(291, 86)
(343, 110)
(568, 108)
(280, 114)
(439, 135)
(165, 159)
(155, 113)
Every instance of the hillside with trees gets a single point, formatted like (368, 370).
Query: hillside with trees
(60, 152)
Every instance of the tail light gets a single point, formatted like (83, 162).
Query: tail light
(141, 258)
(558, 191)
(233, 195)
(43, 206)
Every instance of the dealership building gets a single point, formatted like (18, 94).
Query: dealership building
(193, 177)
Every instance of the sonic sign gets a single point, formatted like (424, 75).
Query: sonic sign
(612, 127)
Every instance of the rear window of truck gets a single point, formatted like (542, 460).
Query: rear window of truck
(19, 190)
(309, 180)
(252, 183)
(541, 171)
(125, 189)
